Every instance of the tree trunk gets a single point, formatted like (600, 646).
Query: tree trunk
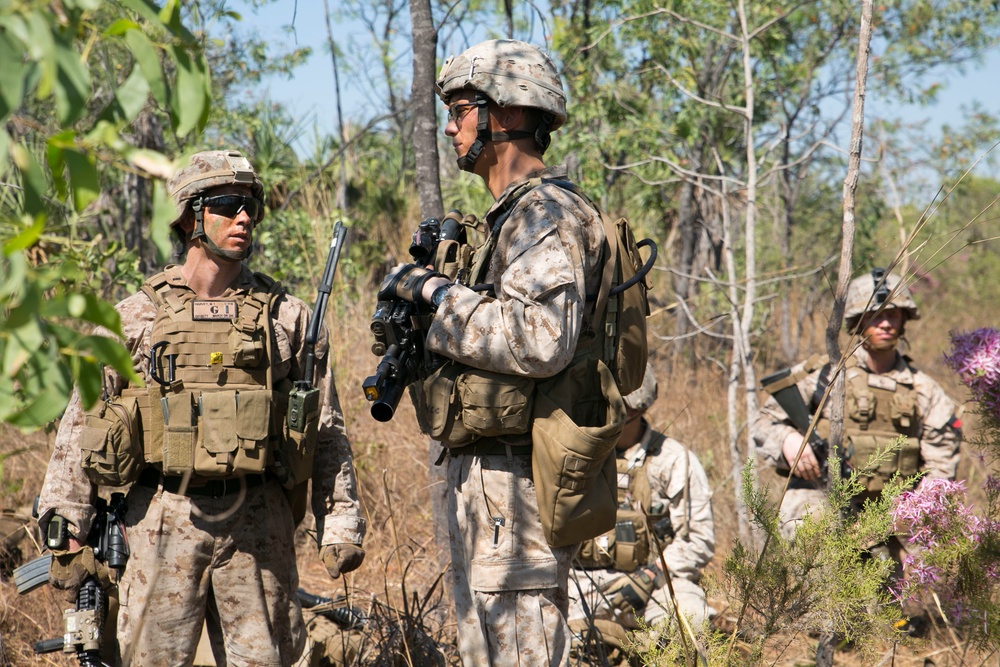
(424, 116)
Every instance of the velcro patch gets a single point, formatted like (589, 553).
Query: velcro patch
(213, 310)
(881, 382)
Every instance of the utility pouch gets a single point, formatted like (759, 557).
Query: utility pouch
(247, 347)
(494, 404)
(441, 409)
(233, 432)
(624, 548)
(180, 433)
(111, 441)
(151, 406)
(904, 412)
(578, 416)
(860, 406)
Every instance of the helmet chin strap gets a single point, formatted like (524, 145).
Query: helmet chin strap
(199, 233)
(483, 134)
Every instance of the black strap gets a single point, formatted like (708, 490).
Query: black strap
(822, 382)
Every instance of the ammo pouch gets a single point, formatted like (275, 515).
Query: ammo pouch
(905, 461)
(624, 548)
(462, 404)
(578, 416)
(216, 434)
(111, 441)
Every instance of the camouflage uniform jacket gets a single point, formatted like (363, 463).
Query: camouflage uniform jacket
(679, 484)
(938, 425)
(547, 258)
(68, 492)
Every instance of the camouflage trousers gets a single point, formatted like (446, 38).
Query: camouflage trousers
(509, 584)
(588, 597)
(238, 570)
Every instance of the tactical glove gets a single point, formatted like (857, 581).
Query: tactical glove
(341, 558)
(406, 283)
(70, 568)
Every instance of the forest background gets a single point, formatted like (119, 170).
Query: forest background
(721, 129)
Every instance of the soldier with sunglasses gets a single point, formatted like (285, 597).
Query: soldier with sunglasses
(217, 479)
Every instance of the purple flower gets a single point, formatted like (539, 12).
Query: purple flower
(976, 358)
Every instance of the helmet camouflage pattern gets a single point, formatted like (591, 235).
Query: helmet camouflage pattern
(211, 169)
(509, 72)
(645, 395)
(876, 290)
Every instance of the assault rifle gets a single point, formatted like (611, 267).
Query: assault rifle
(84, 624)
(303, 401)
(399, 326)
(781, 385)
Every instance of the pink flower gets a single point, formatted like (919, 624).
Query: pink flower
(976, 358)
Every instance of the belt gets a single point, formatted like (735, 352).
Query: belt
(212, 488)
(489, 449)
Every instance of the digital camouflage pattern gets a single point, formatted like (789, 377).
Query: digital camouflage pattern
(861, 298)
(547, 259)
(211, 169)
(509, 72)
(936, 433)
(679, 484)
(510, 585)
(232, 549)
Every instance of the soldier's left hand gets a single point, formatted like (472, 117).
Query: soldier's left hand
(341, 558)
(410, 282)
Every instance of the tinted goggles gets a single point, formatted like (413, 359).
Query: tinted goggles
(229, 206)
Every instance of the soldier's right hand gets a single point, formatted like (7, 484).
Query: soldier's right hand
(808, 467)
(70, 567)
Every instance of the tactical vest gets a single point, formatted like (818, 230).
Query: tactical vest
(210, 405)
(877, 410)
(628, 545)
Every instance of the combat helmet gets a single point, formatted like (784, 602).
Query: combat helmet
(511, 74)
(207, 170)
(645, 395)
(876, 290)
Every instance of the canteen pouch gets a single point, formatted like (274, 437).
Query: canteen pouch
(111, 440)
(578, 416)
(293, 461)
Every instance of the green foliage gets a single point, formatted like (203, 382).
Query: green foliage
(48, 60)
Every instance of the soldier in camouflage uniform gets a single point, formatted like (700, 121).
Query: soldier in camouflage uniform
(886, 396)
(661, 484)
(504, 97)
(218, 539)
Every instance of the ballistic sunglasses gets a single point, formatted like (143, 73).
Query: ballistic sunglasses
(229, 206)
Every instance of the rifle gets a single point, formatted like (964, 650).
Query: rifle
(83, 625)
(303, 401)
(782, 386)
(399, 327)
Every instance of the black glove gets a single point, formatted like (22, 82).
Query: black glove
(406, 283)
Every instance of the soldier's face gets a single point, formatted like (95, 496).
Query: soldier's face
(462, 120)
(233, 234)
(881, 331)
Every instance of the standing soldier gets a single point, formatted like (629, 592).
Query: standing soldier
(543, 256)
(211, 460)
(886, 397)
(661, 486)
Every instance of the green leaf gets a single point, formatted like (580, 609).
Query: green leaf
(86, 307)
(23, 344)
(88, 375)
(110, 352)
(73, 84)
(132, 94)
(120, 27)
(32, 179)
(57, 167)
(26, 238)
(48, 403)
(4, 148)
(164, 212)
(13, 276)
(83, 179)
(149, 61)
(188, 101)
(12, 75)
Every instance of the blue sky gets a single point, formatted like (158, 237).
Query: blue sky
(310, 92)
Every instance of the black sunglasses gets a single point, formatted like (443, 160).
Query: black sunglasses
(229, 206)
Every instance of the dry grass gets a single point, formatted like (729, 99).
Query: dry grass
(404, 566)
